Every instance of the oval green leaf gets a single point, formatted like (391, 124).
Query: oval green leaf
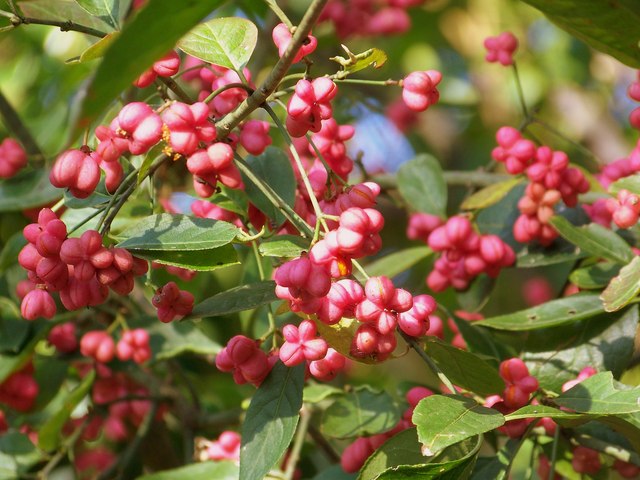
(177, 233)
(443, 421)
(594, 276)
(598, 395)
(28, 190)
(228, 42)
(197, 471)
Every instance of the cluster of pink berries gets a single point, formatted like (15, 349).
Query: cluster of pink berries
(13, 158)
(465, 254)
(501, 48)
(625, 209)
(133, 345)
(419, 89)
(244, 359)
(369, 17)
(519, 387)
(172, 302)
(551, 180)
(356, 454)
(81, 269)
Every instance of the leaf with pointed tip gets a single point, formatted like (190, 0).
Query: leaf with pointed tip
(444, 420)
(594, 239)
(228, 42)
(271, 421)
(550, 314)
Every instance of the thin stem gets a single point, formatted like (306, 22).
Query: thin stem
(12, 119)
(523, 103)
(255, 100)
(272, 319)
(86, 220)
(64, 26)
(554, 453)
(226, 87)
(279, 13)
(177, 89)
(301, 433)
(359, 81)
(127, 193)
(324, 162)
(360, 268)
(616, 452)
(57, 458)
(121, 188)
(274, 198)
(519, 446)
(430, 363)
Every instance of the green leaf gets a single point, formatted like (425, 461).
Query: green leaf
(396, 262)
(28, 190)
(598, 395)
(12, 363)
(457, 419)
(361, 412)
(422, 185)
(152, 32)
(49, 435)
(199, 260)
(287, 246)
(611, 27)
(228, 42)
(271, 421)
(177, 232)
(465, 369)
(490, 194)
(595, 240)
(224, 470)
(561, 251)
(274, 168)
(553, 313)
(63, 11)
(335, 473)
(168, 340)
(630, 183)
(604, 342)
(50, 374)
(400, 458)
(317, 392)
(238, 299)
(10, 251)
(594, 276)
(623, 288)
(104, 9)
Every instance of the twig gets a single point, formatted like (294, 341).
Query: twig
(272, 81)
(322, 442)
(64, 26)
(279, 13)
(12, 119)
(554, 453)
(177, 89)
(301, 433)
